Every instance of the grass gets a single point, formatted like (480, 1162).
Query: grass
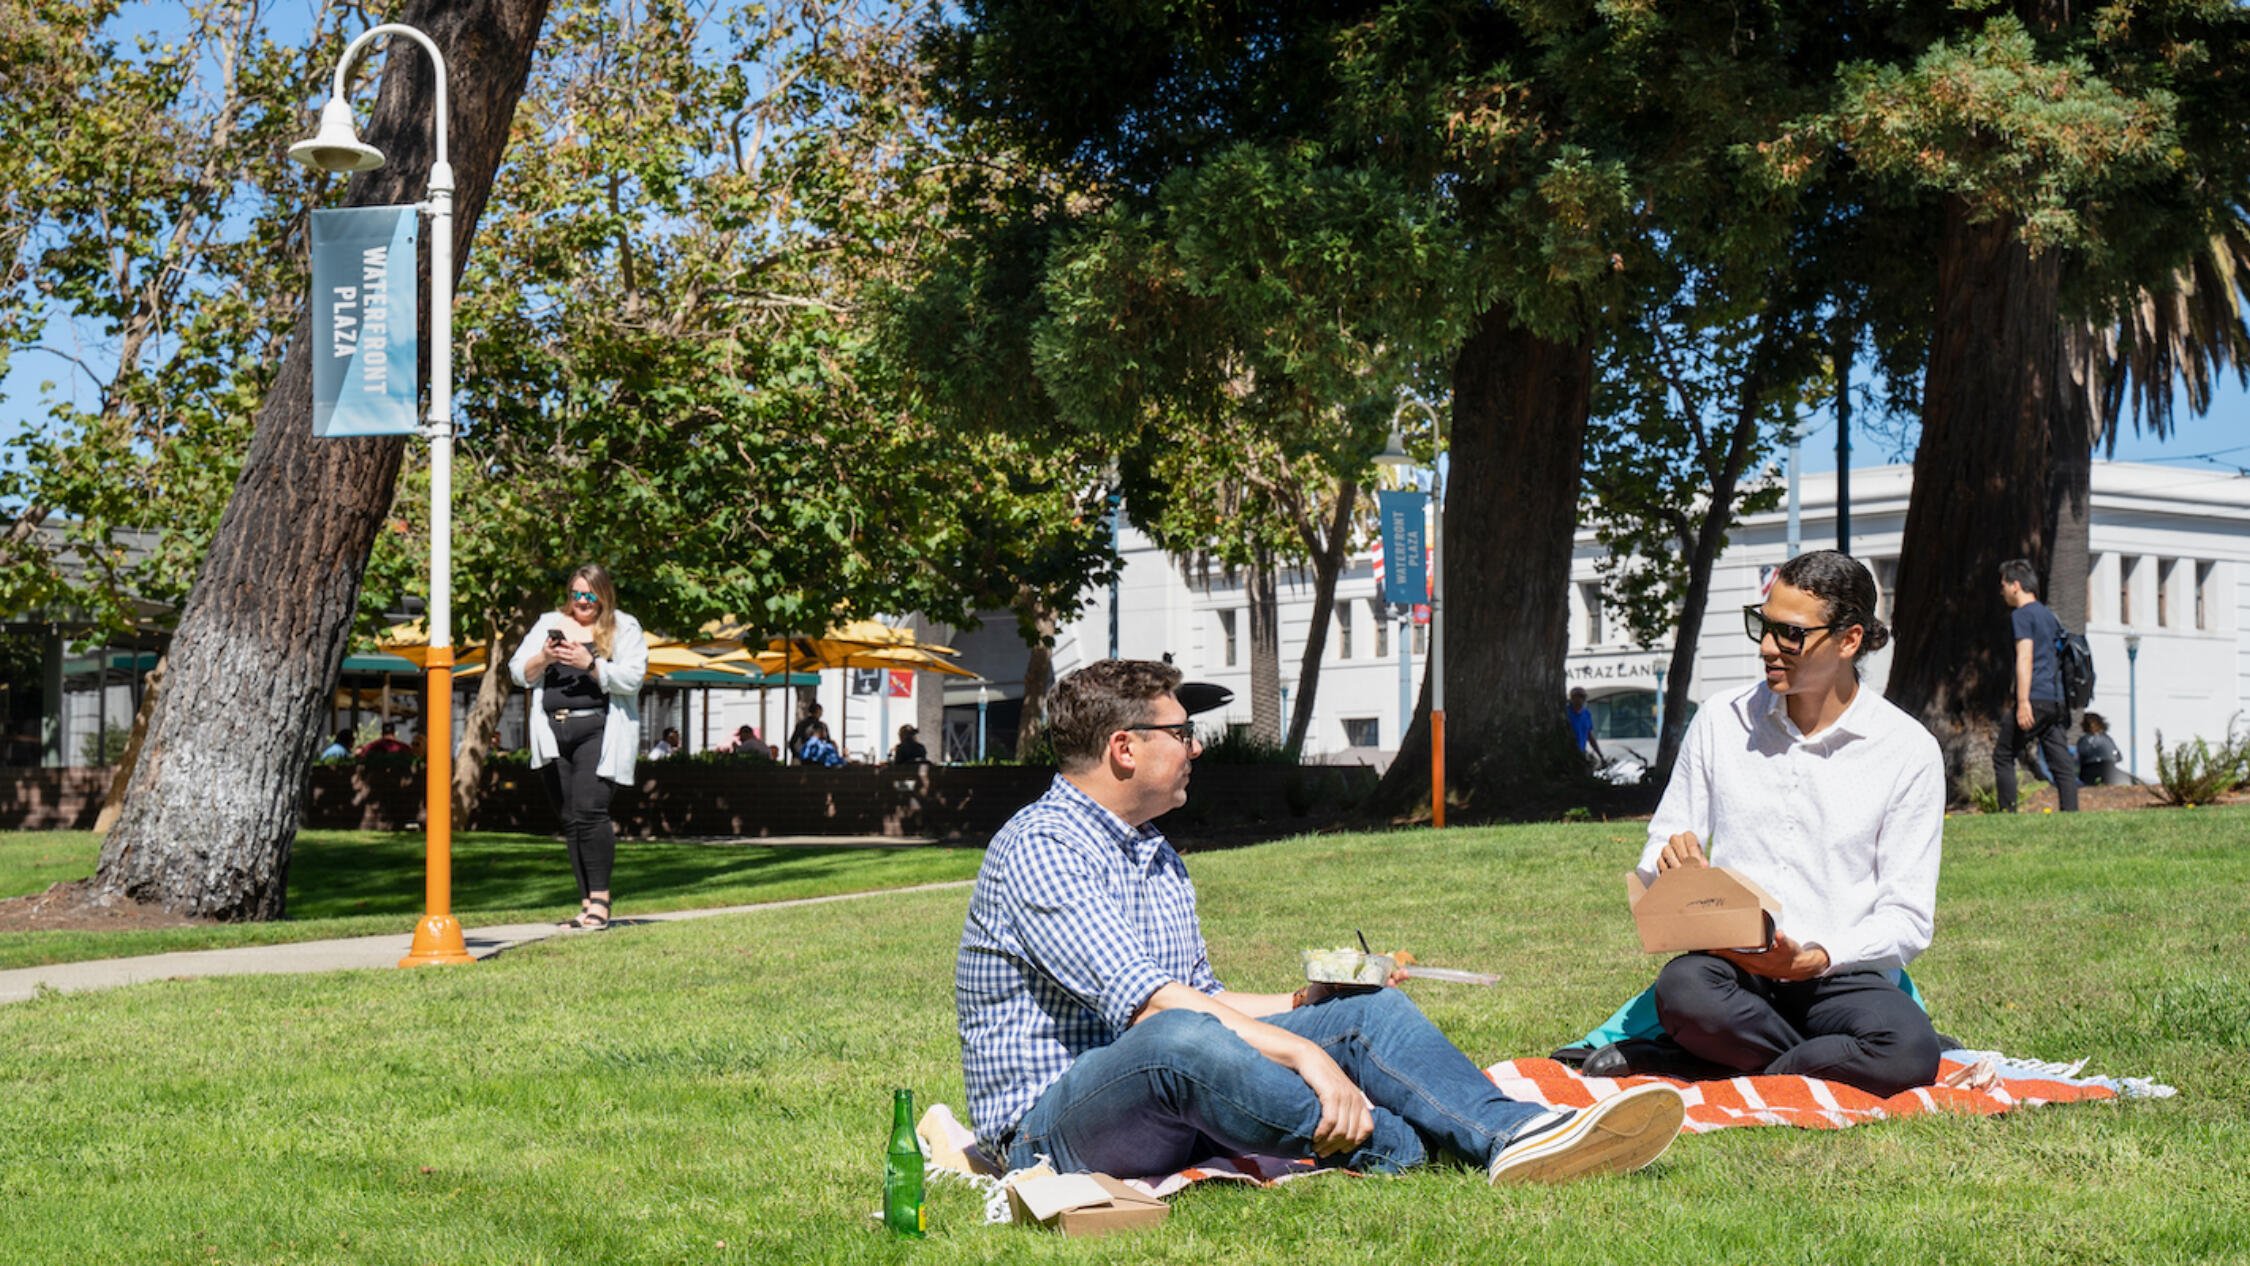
(360, 883)
(719, 1091)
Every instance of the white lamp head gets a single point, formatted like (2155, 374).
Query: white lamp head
(1394, 455)
(337, 147)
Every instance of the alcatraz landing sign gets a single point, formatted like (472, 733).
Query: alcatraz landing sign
(365, 304)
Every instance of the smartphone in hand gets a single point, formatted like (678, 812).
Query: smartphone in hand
(554, 637)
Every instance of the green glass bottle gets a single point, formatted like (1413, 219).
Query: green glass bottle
(902, 1172)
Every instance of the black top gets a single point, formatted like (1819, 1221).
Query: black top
(569, 687)
(2034, 621)
(910, 752)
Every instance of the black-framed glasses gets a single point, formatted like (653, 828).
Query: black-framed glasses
(1183, 731)
(580, 595)
(1789, 637)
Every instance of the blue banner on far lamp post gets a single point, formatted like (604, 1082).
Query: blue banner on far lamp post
(365, 304)
(1406, 576)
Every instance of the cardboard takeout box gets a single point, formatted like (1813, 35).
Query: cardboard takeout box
(1083, 1204)
(1701, 908)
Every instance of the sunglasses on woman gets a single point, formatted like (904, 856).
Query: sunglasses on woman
(580, 595)
(1789, 637)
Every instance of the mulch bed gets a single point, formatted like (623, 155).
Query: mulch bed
(76, 907)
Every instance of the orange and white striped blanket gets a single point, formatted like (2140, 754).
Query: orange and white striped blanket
(1968, 1083)
(1974, 1083)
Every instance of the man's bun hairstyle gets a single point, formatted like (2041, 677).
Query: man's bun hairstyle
(1846, 588)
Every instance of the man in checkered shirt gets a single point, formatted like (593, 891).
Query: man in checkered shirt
(1093, 1031)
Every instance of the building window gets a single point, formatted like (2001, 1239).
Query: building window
(2205, 600)
(2125, 568)
(1421, 639)
(1591, 596)
(1344, 631)
(1382, 628)
(1363, 732)
(2093, 571)
(2164, 569)
(1226, 637)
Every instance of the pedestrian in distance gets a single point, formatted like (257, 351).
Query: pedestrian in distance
(1094, 1032)
(1582, 726)
(584, 663)
(2034, 715)
(339, 746)
(666, 745)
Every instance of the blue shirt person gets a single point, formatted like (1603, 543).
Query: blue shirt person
(1582, 724)
(1095, 1032)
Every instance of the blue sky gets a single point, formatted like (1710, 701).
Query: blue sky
(2218, 441)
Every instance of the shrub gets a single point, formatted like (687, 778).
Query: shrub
(107, 747)
(1241, 747)
(2198, 773)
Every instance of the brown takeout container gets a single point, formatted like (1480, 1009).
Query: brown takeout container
(1062, 1202)
(1701, 908)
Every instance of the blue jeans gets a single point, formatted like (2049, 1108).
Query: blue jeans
(1180, 1086)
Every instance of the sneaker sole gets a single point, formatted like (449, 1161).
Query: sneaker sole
(1616, 1136)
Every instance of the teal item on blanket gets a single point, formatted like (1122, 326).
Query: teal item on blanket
(1637, 1018)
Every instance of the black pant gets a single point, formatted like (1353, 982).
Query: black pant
(2047, 734)
(581, 799)
(1855, 1027)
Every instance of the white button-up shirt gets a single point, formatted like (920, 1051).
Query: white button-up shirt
(1844, 828)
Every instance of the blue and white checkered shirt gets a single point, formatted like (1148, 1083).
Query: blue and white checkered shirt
(1076, 919)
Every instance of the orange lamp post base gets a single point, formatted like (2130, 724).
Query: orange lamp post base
(437, 939)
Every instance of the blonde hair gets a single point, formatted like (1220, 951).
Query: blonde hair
(605, 623)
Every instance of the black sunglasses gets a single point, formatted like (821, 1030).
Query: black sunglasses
(1183, 731)
(1789, 637)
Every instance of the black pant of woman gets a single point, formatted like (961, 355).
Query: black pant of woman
(581, 798)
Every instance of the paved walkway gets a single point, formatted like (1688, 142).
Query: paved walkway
(24, 983)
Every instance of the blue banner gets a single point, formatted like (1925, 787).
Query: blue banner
(1406, 576)
(365, 301)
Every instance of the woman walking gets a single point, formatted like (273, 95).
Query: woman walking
(583, 664)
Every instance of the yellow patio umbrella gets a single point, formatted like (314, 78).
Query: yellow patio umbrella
(666, 658)
(410, 641)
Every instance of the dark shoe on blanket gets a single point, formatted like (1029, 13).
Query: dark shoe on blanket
(1571, 1056)
(1616, 1136)
(1651, 1057)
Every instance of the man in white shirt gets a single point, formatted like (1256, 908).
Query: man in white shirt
(1832, 800)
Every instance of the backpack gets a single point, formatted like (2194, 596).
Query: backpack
(2074, 663)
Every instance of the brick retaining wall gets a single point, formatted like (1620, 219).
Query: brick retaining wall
(696, 798)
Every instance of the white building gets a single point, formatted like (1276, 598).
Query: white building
(2167, 549)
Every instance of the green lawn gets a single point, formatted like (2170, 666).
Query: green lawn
(357, 883)
(719, 1091)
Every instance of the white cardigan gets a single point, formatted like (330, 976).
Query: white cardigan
(620, 676)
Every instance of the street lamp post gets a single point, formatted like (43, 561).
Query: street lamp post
(1437, 596)
(337, 148)
(2133, 705)
(980, 720)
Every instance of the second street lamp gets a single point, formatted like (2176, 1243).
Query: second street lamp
(336, 148)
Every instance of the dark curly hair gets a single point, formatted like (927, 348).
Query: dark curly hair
(1846, 589)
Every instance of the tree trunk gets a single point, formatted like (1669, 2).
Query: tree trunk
(1265, 651)
(113, 803)
(2076, 420)
(1328, 563)
(1520, 403)
(1980, 478)
(1703, 555)
(1038, 624)
(211, 813)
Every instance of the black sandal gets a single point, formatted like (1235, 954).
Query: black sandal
(588, 920)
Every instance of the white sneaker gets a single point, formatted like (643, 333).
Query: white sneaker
(1616, 1136)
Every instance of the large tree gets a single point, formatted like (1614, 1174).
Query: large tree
(2038, 142)
(1507, 148)
(212, 809)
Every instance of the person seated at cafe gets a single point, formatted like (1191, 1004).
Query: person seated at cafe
(909, 750)
(818, 748)
(2098, 757)
(387, 744)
